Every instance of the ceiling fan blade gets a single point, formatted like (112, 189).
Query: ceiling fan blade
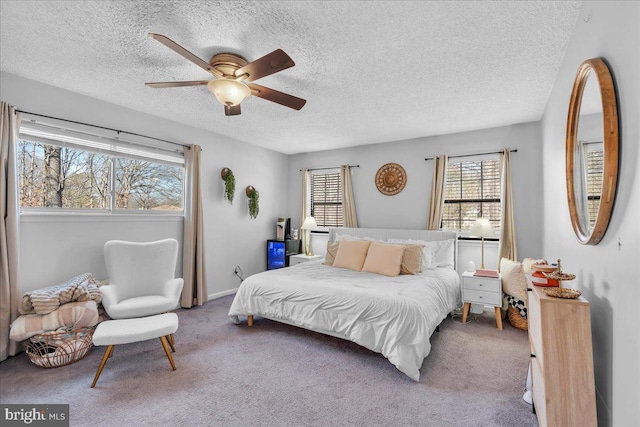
(277, 96)
(232, 111)
(185, 53)
(159, 85)
(269, 64)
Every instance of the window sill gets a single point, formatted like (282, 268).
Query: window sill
(98, 217)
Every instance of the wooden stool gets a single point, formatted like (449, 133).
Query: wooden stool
(125, 331)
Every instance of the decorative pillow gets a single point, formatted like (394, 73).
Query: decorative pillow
(428, 251)
(384, 258)
(514, 282)
(412, 259)
(351, 254)
(332, 250)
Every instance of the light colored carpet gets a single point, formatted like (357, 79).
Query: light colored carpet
(279, 375)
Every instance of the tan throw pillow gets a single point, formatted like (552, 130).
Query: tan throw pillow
(351, 254)
(332, 250)
(412, 259)
(514, 282)
(384, 259)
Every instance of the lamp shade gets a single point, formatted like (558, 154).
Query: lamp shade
(482, 228)
(229, 92)
(309, 224)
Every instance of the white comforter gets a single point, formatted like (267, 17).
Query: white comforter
(394, 316)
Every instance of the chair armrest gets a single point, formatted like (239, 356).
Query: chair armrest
(109, 296)
(173, 289)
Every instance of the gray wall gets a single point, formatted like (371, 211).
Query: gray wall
(54, 248)
(409, 209)
(605, 273)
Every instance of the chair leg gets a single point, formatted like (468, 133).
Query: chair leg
(107, 355)
(169, 340)
(172, 340)
(249, 320)
(165, 345)
(111, 352)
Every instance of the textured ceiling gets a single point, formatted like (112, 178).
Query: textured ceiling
(370, 71)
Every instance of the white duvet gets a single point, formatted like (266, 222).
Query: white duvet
(394, 316)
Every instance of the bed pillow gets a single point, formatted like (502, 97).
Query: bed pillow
(332, 250)
(444, 253)
(428, 251)
(384, 258)
(351, 254)
(514, 282)
(340, 237)
(412, 259)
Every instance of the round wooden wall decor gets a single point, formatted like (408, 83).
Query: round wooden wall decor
(391, 179)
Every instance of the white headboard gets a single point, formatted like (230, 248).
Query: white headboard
(386, 233)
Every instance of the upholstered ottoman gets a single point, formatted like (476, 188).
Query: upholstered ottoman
(125, 331)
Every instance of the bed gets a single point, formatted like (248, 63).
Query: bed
(394, 316)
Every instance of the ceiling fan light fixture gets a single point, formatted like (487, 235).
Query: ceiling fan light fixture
(229, 92)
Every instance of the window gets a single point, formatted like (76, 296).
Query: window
(472, 191)
(594, 172)
(326, 199)
(89, 173)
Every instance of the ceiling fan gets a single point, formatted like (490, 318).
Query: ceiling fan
(234, 77)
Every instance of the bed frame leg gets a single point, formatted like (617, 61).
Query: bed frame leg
(250, 320)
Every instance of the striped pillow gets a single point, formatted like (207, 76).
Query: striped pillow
(332, 250)
(412, 259)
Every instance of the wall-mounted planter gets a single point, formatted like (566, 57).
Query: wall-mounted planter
(229, 184)
(253, 197)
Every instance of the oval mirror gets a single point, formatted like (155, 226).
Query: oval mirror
(592, 151)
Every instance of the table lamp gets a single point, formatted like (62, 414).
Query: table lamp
(308, 225)
(482, 228)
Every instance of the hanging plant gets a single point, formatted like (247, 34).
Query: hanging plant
(254, 198)
(229, 184)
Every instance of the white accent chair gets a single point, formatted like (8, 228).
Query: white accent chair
(141, 278)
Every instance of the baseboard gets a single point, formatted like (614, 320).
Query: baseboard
(222, 294)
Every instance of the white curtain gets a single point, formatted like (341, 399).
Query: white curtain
(507, 246)
(193, 265)
(348, 203)
(305, 205)
(438, 182)
(10, 295)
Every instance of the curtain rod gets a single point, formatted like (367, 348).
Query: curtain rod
(477, 154)
(335, 167)
(102, 127)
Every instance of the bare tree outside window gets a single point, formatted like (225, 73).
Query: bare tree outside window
(62, 177)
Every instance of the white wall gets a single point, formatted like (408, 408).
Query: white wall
(54, 249)
(605, 273)
(409, 209)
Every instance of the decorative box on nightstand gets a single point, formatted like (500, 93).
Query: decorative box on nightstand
(482, 290)
(300, 258)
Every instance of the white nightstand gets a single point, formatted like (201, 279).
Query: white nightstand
(482, 290)
(300, 258)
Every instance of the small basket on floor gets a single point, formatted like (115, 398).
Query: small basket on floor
(59, 348)
(516, 319)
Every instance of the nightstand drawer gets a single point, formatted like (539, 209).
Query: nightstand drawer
(482, 297)
(294, 261)
(482, 284)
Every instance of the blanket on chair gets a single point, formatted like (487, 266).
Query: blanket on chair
(43, 301)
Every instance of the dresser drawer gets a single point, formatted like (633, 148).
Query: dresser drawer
(482, 297)
(482, 284)
(538, 391)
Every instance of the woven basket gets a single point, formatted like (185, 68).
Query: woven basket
(516, 320)
(55, 349)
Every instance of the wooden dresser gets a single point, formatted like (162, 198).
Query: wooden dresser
(561, 360)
